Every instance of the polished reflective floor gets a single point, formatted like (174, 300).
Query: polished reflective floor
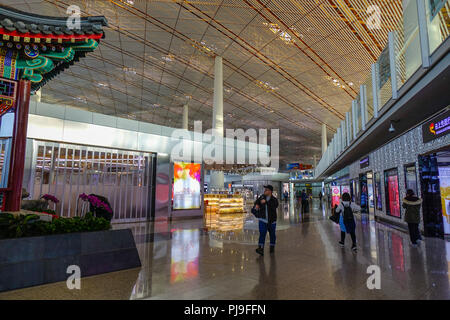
(182, 261)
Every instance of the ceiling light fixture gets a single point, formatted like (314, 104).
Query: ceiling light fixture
(80, 99)
(101, 84)
(266, 85)
(283, 35)
(167, 58)
(129, 70)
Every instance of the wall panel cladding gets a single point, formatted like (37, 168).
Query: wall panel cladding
(396, 154)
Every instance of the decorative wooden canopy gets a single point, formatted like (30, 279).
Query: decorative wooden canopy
(37, 48)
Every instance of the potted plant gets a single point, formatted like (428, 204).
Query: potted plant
(98, 205)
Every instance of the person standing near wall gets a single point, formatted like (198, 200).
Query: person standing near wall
(412, 215)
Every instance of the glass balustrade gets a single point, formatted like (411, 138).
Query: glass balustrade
(408, 59)
(438, 22)
(384, 77)
(369, 95)
(407, 44)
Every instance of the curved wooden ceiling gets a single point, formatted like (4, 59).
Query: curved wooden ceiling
(288, 64)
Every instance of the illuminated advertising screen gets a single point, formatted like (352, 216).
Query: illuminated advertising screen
(444, 182)
(378, 203)
(186, 186)
(335, 195)
(392, 196)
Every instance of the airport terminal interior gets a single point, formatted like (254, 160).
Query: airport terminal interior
(224, 149)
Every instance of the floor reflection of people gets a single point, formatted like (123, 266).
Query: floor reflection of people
(266, 289)
(346, 275)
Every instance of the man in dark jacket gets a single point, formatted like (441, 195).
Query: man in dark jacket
(267, 205)
(305, 203)
(412, 215)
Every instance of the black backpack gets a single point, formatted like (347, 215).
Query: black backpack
(348, 212)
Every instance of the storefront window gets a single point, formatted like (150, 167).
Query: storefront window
(410, 178)
(378, 202)
(391, 193)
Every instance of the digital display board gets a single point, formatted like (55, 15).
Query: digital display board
(392, 196)
(186, 185)
(335, 195)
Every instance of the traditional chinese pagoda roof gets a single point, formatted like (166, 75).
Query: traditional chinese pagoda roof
(37, 48)
(15, 22)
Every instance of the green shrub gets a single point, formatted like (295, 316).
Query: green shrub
(17, 226)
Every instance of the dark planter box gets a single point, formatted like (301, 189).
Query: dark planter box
(32, 261)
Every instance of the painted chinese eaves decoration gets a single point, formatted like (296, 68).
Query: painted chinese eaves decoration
(37, 48)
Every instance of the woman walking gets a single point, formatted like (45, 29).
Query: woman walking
(412, 215)
(347, 220)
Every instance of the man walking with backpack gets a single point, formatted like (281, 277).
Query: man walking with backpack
(346, 219)
(265, 209)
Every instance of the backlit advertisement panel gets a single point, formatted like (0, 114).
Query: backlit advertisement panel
(186, 186)
(444, 182)
(335, 195)
(392, 196)
(345, 189)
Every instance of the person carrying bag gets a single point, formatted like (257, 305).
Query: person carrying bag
(265, 209)
(346, 219)
(335, 216)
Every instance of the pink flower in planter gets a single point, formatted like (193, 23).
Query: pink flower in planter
(84, 197)
(49, 197)
(95, 202)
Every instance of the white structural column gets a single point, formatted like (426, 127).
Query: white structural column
(324, 138)
(186, 116)
(217, 178)
(218, 95)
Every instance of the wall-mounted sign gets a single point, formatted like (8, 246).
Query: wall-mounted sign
(437, 127)
(364, 163)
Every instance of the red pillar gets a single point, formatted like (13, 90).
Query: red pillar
(19, 141)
